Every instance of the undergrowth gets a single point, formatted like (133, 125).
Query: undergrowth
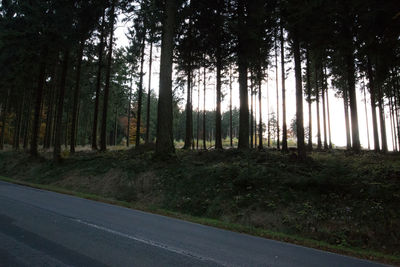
(343, 199)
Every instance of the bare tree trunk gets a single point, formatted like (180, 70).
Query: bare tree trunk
(76, 96)
(396, 108)
(116, 125)
(18, 122)
(60, 108)
(260, 128)
(373, 105)
(284, 125)
(366, 116)
(319, 143)
(308, 74)
(191, 101)
(381, 108)
(129, 111)
(103, 135)
(140, 97)
(230, 107)
(3, 119)
(27, 121)
(50, 110)
(268, 117)
(149, 95)
(38, 102)
(251, 112)
(198, 111)
(98, 85)
(218, 134)
(346, 118)
(299, 98)
(392, 125)
(189, 115)
(243, 90)
(165, 140)
(277, 95)
(353, 103)
(324, 110)
(255, 116)
(204, 111)
(329, 118)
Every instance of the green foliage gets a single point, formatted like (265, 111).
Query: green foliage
(333, 196)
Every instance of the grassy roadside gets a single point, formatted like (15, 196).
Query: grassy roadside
(334, 200)
(355, 252)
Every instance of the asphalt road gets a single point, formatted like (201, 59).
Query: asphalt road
(41, 228)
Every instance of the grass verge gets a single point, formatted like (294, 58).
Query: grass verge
(294, 239)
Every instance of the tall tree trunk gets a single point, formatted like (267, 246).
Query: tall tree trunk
(218, 116)
(396, 108)
(18, 126)
(204, 110)
(366, 116)
(27, 120)
(147, 140)
(373, 105)
(129, 111)
(284, 125)
(319, 143)
(268, 118)
(60, 108)
(3, 119)
(251, 113)
(299, 98)
(189, 115)
(329, 117)
(381, 109)
(198, 111)
(277, 94)
(323, 88)
(38, 102)
(230, 108)
(76, 96)
(346, 118)
(353, 102)
(103, 135)
(260, 127)
(50, 109)
(255, 117)
(98, 85)
(140, 96)
(392, 125)
(165, 141)
(116, 125)
(66, 128)
(191, 101)
(308, 74)
(243, 90)
(218, 134)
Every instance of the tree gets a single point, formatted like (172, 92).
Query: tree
(98, 83)
(103, 142)
(165, 144)
(242, 67)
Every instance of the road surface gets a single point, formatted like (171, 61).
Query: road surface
(41, 228)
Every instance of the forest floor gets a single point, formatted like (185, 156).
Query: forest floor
(334, 200)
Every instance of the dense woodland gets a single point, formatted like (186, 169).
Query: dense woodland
(65, 83)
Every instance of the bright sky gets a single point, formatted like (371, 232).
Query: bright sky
(335, 104)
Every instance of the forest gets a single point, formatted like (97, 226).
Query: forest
(75, 104)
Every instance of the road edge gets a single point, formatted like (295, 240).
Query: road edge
(258, 232)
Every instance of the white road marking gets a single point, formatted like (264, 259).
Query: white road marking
(152, 243)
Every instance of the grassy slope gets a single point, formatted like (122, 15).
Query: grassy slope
(334, 201)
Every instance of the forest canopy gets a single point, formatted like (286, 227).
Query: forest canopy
(65, 82)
